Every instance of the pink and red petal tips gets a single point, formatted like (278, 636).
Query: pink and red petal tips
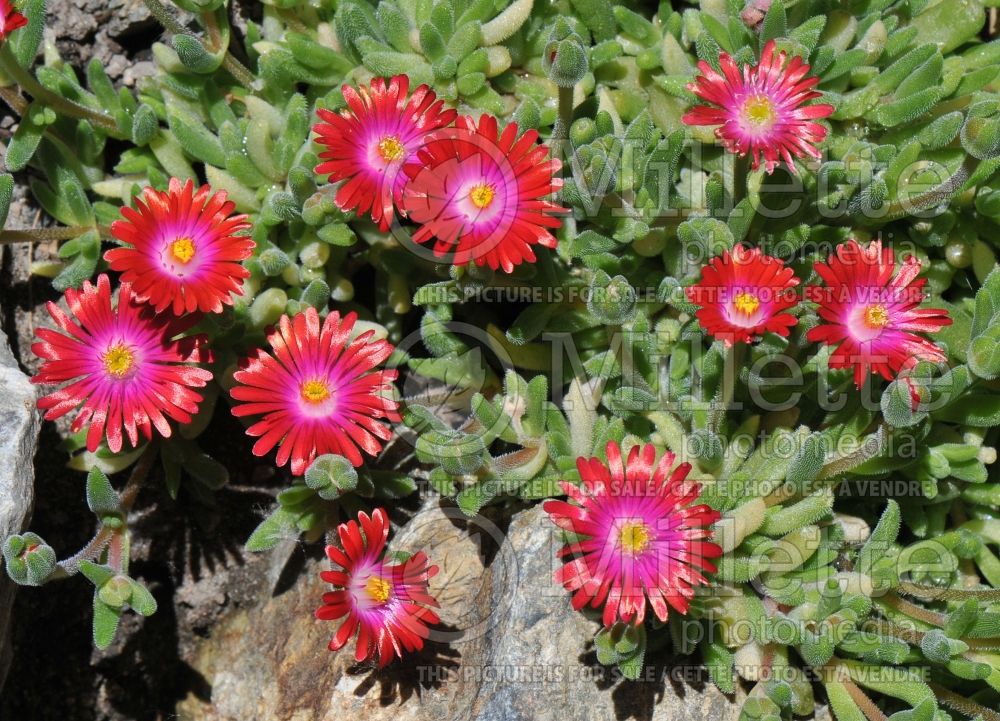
(479, 193)
(388, 605)
(869, 312)
(182, 250)
(761, 110)
(123, 364)
(368, 143)
(10, 19)
(744, 294)
(318, 391)
(640, 539)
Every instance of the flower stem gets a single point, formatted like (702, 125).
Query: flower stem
(106, 535)
(859, 697)
(560, 132)
(914, 611)
(741, 170)
(28, 83)
(934, 593)
(962, 704)
(14, 99)
(730, 372)
(41, 235)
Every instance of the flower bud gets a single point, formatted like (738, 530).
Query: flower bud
(194, 55)
(273, 261)
(116, 592)
(145, 125)
(30, 561)
(611, 300)
(565, 57)
(331, 476)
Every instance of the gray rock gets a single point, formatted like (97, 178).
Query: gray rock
(510, 647)
(18, 438)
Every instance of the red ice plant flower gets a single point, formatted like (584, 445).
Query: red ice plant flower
(10, 19)
(123, 365)
(870, 311)
(762, 109)
(640, 537)
(744, 294)
(182, 249)
(389, 605)
(368, 143)
(318, 392)
(479, 191)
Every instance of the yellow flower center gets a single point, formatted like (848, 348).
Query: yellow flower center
(182, 249)
(390, 148)
(746, 303)
(482, 195)
(759, 110)
(378, 589)
(118, 361)
(634, 536)
(876, 316)
(315, 391)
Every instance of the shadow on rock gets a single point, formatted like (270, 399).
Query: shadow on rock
(427, 669)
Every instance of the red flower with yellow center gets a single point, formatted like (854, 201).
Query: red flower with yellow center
(123, 365)
(871, 312)
(183, 249)
(387, 605)
(368, 143)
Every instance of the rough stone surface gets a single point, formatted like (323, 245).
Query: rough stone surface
(18, 438)
(529, 658)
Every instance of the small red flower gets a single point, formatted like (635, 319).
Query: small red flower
(10, 19)
(761, 110)
(183, 251)
(124, 365)
(479, 193)
(744, 295)
(641, 538)
(389, 605)
(368, 143)
(318, 392)
(871, 314)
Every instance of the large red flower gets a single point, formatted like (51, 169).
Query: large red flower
(761, 110)
(871, 312)
(368, 143)
(318, 392)
(479, 193)
(10, 19)
(387, 604)
(639, 536)
(743, 295)
(183, 251)
(124, 365)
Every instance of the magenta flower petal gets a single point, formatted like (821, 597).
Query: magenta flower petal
(479, 194)
(761, 110)
(317, 393)
(871, 317)
(368, 143)
(123, 364)
(641, 539)
(182, 249)
(387, 605)
(743, 295)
